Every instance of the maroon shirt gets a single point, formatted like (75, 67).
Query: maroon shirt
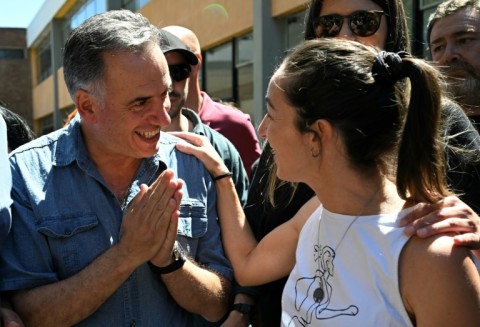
(235, 125)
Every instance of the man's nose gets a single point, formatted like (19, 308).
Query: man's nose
(161, 110)
(451, 54)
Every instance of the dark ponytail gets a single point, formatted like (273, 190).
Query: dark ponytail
(421, 157)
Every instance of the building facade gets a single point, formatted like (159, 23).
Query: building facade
(16, 81)
(242, 43)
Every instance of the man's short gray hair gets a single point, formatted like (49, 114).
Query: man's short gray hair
(112, 31)
(448, 8)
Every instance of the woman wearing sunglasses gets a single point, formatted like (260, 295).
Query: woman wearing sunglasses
(383, 24)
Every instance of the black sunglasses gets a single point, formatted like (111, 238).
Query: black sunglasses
(362, 23)
(179, 72)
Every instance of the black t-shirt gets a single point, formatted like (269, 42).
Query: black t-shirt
(463, 167)
(476, 121)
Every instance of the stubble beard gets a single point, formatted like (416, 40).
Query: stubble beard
(463, 85)
(176, 111)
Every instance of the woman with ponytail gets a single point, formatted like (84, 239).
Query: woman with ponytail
(271, 201)
(338, 120)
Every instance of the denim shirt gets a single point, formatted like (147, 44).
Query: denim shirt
(64, 216)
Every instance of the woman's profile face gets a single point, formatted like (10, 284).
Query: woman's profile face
(347, 7)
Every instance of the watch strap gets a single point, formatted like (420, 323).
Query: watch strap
(178, 262)
(244, 308)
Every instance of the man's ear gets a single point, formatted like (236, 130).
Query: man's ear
(196, 69)
(86, 105)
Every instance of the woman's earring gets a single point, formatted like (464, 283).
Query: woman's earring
(315, 153)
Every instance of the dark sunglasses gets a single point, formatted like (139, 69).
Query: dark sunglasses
(362, 23)
(179, 72)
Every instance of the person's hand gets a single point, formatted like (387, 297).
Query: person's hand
(200, 147)
(151, 219)
(236, 319)
(448, 215)
(162, 258)
(10, 319)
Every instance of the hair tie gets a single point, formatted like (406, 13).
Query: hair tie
(388, 66)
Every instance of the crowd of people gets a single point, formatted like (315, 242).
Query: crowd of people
(155, 206)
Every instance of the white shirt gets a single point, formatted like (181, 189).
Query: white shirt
(351, 283)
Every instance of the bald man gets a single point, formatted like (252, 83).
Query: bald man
(234, 124)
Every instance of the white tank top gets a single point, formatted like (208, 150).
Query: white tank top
(355, 283)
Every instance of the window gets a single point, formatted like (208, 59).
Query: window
(429, 3)
(219, 72)
(134, 5)
(12, 54)
(46, 125)
(44, 59)
(426, 17)
(244, 66)
(295, 30)
(80, 13)
(227, 73)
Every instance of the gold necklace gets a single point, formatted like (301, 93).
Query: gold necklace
(319, 293)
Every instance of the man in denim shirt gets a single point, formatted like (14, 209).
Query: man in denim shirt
(90, 243)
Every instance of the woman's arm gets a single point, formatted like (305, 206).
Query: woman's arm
(440, 283)
(253, 263)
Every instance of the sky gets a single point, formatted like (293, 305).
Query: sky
(18, 13)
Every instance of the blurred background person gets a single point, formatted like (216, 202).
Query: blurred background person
(231, 122)
(18, 130)
(7, 316)
(180, 61)
(453, 36)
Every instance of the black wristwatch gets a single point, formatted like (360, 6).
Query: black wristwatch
(243, 308)
(178, 257)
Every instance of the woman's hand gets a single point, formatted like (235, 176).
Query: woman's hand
(200, 147)
(10, 319)
(448, 215)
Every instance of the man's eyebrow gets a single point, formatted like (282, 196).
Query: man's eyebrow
(468, 31)
(138, 99)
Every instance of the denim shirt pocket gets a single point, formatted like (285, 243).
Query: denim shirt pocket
(74, 242)
(68, 227)
(193, 221)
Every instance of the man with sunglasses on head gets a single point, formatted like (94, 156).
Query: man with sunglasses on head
(180, 61)
(453, 36)
(232, 123)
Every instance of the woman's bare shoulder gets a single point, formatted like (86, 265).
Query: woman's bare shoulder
(439, 282)
(305, 212)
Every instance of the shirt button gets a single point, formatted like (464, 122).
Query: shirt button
(133, 323)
